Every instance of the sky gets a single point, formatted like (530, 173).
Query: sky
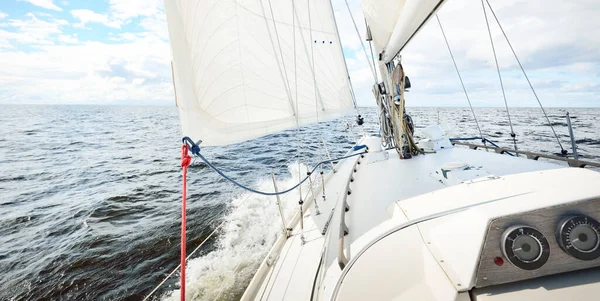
(117, 51)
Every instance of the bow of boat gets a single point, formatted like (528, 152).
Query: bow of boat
(429, 228)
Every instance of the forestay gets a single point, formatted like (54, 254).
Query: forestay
(244, 69)
(394, 22)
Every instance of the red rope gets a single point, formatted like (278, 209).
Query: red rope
(186, 160)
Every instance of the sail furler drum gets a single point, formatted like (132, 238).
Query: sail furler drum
(244, 69)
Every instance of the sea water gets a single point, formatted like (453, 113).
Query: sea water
(90, 196)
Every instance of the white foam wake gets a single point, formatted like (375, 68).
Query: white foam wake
(251, 228)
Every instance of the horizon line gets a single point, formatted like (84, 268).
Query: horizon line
(131, 104)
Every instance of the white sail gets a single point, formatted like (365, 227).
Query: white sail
(238, 75)
(394, 22)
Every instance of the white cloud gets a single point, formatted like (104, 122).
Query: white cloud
(123, 12)
(125, 36)
(156, 25)
(86, 16)
(32, 31)
(3, 15)
(66, 70)
(90, 72)
(47, 4)
(126, 10)
(68, 39)
(556, 41)
(138, 81)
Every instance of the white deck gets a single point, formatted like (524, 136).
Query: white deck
(379, 185)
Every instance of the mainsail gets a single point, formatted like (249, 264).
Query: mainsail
(394, 22)
(244, 69)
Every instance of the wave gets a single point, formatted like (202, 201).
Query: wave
(250, 229)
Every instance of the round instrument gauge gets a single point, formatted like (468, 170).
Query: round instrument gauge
(525, 247)
(579, 236)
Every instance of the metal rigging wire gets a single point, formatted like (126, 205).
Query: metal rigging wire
(296, 96)
(312, 58)
(283, 71)
(460, 78)
(512, 132)
(370, 40)
(337, 33)
(563, 151)
(372, 67)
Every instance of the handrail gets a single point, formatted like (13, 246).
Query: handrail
(342, 260)
(195, 149)
(483, 139)
(531, 155)
(259, 276)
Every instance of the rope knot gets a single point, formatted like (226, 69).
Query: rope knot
(186, 159)
(194, 147)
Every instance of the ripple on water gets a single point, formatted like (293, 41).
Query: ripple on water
(92, 211)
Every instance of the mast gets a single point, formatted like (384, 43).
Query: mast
(392, 27)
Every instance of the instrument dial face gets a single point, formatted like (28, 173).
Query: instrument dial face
(579, 236)
(525, 247)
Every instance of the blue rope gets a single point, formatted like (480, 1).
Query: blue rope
(359, 147)
(483, 139)
(195, 149)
